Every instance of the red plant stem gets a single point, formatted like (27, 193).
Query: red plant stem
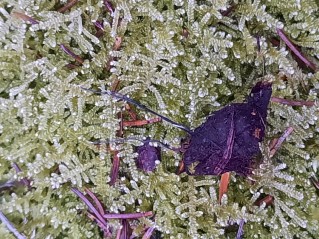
(24, 181)
(315, 182)
(96, 200)
(240, 231)
(10, 226)
(67, 6)
(25, 18)
(292, 102)
(108, 6)
(130, 112)
(72, 54)
(99, 223)
(141, 122)
(223, 186)
(283, 36)
(228, 10)
(115, 168)
(148, 233)
(128, 215)
(268, 200)
(279, 142)
(90, 206)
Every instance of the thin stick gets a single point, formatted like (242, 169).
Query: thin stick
(10, 226)
(90, 206)
(67, 6)
(115, 168)
(72, 54)
(295, 50)
(141, 122)
(108, 6)
(139, 105)
(268, 200)
(279, 142)
(96, 200)
(240, 232)
(292, 102)
(223, 186)
(148, 233)
(25, 18)
(128, 215)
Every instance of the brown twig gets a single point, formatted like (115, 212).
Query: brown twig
(276, 143)
(67, 6)
(115, 168)
(72, 54)
(140, 122)
(148, 233)
(24, 17)
(223, 186)
(315, 182)
(100, 218)
(108, 6)
(292, 102)
(292, 47)
(128, 215)
(10, 226)
(228, 10)
(268, 200)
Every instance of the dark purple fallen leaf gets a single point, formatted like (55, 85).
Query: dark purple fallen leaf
(229, 139)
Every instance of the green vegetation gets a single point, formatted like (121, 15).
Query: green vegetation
(184, 59)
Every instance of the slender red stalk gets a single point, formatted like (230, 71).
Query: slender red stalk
(279, 142)
(25, 18)
(10, 226)
(141, 122)
(90, 206)
(108, 6)
(223, 186)
(292, 47)
(148, 233)
(96, 200)
(292, 102)
(268, 200)
(115, 168)
(67, 6)
(72, 54)
(128, 215)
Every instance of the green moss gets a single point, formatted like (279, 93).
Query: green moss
(181, 58)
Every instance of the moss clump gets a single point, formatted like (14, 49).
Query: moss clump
(184, 59)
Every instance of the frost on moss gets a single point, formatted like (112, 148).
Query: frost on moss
(182, 58)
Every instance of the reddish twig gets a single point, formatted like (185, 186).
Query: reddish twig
(10, 226)
(148, 233)
(91, 208)
(223, 186)
(96, 200)
(25, 18)
(268, 200)
(130, 112)
(115, 168)
(128, 215)
(108, 6)
(315, 182)
(67, 6)
(292, 102)
(24, 181)
(275, 145)
(292, 47)
(141, 122)
(240, 231)
(228, 10)
(72, 54)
